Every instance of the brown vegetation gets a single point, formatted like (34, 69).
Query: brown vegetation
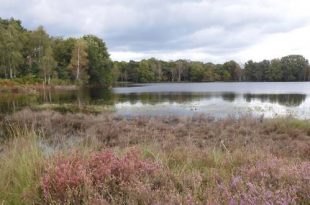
(107, 159)
(282, 136)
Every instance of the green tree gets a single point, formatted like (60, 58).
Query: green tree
(181, 66)
(121, 70)
(210, 74)
(295, 68)
(40, 42)
(145, 72)
(63, 53)
(226, 76)
(48, 64)
(3, 52)
(100, 65)
(12, 48)
(79, 62)
(132, 71)
(116, 72)
(222, 73)
(249, 71)
(156, 67)
(197, 71)
(274, 71)
(234, 71)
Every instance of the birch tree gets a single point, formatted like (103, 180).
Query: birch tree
(48, 65)
(12, 47)
(79, 61)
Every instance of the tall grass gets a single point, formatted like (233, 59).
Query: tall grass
(20, 163)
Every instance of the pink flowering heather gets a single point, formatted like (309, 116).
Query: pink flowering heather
(272, 181)
(103, 172)
(106, 165)
(66, 175)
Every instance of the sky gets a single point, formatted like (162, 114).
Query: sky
(204, 30)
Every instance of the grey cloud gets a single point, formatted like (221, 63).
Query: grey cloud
(216, 27)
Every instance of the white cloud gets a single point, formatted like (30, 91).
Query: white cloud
(280, 44)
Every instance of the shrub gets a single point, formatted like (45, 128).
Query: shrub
(102, 175)
(28, 80)
(272, 181)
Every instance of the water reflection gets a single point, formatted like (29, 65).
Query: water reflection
(230, 97)
(176, 102)
(290, 100)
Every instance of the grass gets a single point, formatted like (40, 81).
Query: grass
(105, 159)
(19, 163)
(73, 108)
(31, 80)
(32, 84)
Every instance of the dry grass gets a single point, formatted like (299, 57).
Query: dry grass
(190, 160)
(20, 165)
(281, 137)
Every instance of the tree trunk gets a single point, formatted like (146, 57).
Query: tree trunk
(11, 72)
(5, 73)
(78, 65)
(50, 96)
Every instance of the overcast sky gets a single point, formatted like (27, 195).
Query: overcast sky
(206, 30)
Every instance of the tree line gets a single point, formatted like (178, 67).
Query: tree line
(288, 68)
(86, 61)
(35, 54)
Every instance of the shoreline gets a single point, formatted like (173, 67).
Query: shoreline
(33, 88)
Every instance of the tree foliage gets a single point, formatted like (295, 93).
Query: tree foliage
(100, 65)
(79, 61)
(86, 60)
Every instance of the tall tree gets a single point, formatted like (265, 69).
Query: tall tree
(48, 64)
(234, 70)
(294, 68)
(12, 48)
(180, 68)
(197, 71)
(3, 53)
(274, 71)
(145, 72)
(63, 53)
(100, 65)
(40, 42)
(79, 61)
(156, 67)
(210, 74)
(122, 68)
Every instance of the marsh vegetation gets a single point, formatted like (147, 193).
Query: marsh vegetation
(75, 158)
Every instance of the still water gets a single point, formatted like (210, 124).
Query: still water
(213, 99)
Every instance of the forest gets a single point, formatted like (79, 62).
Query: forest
(36, 56)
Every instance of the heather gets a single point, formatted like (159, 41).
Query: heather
(52, 158)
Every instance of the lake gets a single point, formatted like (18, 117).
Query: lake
(213, 99)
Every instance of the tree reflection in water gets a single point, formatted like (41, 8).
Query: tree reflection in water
(10, 102)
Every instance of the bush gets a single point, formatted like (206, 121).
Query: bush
(272, 181)
(57, 81)
(102, 175)
(28, 80)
